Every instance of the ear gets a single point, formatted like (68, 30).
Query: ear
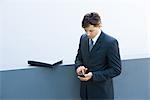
(100, 25)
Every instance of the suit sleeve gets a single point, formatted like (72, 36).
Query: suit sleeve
(114, 64)
(78, 60)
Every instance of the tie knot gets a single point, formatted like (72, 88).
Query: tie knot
(92, 42)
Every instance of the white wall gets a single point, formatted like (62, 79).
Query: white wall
(47, 30)
(147, 11)
(1, 32)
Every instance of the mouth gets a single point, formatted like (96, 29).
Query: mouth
(89, 37)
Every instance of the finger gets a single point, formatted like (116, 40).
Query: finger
(78, 70)
(82, 79)
(86, 69)
(89, 75)
(86, 75)
(83, 72)
(82, 66)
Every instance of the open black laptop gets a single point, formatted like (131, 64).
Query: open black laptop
(43, 64)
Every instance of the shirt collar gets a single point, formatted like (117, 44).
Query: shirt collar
(96, 37)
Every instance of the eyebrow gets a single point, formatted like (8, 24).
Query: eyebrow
(89, 30)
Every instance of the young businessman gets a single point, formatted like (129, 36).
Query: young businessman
(97, 61)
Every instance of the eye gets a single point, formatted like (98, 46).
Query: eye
(91, 30)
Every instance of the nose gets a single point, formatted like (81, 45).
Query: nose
(88, 33)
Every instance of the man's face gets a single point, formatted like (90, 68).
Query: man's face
(92, 31)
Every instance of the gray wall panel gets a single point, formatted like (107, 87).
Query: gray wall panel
(61, 83)
(133, 83)
(40, 83)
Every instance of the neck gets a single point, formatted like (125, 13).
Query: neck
(99, 32)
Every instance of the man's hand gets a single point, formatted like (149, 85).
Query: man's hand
(81, 70)
(87, 77)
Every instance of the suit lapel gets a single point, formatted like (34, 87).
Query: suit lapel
(98, 42)
(86, 46)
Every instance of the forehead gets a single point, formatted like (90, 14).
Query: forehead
(90, 27)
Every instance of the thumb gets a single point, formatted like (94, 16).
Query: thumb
(86, 69)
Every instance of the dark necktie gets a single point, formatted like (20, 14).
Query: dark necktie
(91, 43)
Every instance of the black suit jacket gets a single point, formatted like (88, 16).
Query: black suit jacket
(103, 61)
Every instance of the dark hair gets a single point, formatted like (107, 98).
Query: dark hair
(92, 18)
